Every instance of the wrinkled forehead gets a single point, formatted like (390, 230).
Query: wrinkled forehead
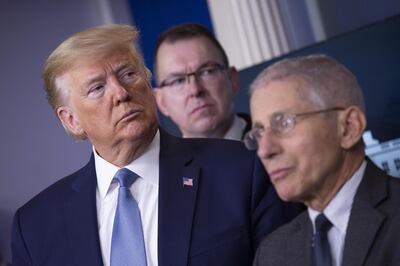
(288, 95)
(201, 44)
(190, 52)
(115, 56)
(292, 89)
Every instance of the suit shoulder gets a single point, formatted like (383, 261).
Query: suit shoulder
(205, 148)
(278, 238)
(379, 188)
(393, 201)
(394, 182)
(53, 193)
(273, 249)
(223, 146)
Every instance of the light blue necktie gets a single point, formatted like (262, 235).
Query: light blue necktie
(127, 244)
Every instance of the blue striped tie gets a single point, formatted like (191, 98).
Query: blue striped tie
(127, 244)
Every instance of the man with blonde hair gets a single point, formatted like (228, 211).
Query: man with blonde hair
(308, 119)
(144, 197)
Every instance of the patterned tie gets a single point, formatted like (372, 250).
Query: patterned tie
(127, 244)
(321, 250)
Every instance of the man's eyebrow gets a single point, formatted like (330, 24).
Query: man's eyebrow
(93, 79)
(208, 63)
(175, 74)
(181, 73)
(97, 77)
(123, 66)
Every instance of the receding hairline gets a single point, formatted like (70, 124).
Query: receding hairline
(332, 81)
(205, 41)
(184, 32)
(303, 89)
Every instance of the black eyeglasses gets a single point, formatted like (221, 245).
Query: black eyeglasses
(207, 74)
(280, 124)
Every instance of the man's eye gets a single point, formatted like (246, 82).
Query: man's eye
(129, 76)
(177, 81)
(285, 123)
(96, 89)
(207, 71)
(257, 131)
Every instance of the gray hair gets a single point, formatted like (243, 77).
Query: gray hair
(330, 82)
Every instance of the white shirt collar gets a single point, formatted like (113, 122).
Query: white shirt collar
(146, 166)
(338, 209)
(235, 132)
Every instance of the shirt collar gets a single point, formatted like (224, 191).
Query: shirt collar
(338, 209)
(235, 132)
(146, 166)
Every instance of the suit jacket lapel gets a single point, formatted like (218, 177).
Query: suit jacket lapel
(81, 219)
(176, 201)
(365, 220)
(246, 118)
(298, 247)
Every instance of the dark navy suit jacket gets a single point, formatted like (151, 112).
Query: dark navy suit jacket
(218, 221)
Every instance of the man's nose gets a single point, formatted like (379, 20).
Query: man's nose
(120, 92)
(194, 85)
(268, 145)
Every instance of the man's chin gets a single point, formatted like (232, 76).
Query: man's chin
(139, 131)
(205, 125)
(207, 131)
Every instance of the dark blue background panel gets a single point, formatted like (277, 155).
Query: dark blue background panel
(154, 16)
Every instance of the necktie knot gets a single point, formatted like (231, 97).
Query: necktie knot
(322, 223)
(125, 177)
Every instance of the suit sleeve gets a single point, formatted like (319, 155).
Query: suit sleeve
(268, 210)
(20, 254)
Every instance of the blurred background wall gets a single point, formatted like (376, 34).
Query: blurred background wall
(36, 152)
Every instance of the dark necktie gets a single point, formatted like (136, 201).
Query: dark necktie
(127, 244)
(321, 250)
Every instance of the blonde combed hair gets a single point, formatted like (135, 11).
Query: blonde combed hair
(91, 44)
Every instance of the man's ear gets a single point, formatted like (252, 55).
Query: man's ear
(70, 121)
(160, 99)
(234, 78)
(353, 123)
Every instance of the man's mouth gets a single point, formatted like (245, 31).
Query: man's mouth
(131, 114)
(200, 108)
(280, 173)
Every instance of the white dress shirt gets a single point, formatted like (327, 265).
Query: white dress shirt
(145, 192)
(235, 132)
(338, 213)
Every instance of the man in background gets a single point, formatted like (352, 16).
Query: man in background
(308, 119)
(144, 197)
(196, 85)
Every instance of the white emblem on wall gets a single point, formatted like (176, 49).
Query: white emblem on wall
(385, 155)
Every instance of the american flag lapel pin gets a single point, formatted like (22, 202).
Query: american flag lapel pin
(187, 181)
